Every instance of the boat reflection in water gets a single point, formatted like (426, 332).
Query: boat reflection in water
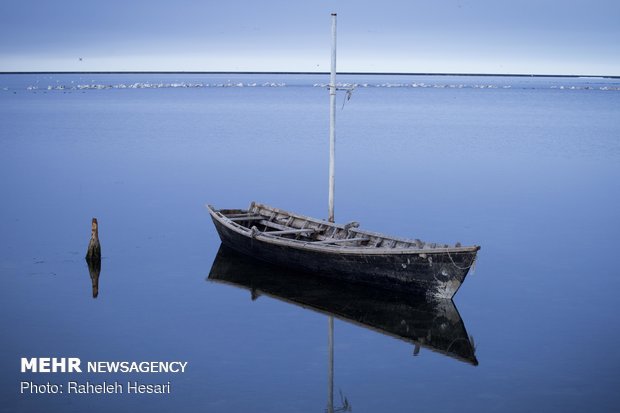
(431, 324)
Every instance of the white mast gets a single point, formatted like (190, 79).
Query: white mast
(332, 122)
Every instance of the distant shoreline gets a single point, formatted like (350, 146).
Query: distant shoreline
(302, 73)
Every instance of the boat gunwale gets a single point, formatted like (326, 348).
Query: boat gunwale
(331, 248)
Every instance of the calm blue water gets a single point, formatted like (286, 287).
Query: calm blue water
(528, 168)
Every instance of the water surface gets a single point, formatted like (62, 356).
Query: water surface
(528, 168)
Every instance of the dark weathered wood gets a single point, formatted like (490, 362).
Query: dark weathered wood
(94, 248)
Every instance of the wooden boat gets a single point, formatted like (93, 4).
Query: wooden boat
(432, 324)
(344, 251)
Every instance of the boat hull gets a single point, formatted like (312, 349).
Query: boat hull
(437, 274)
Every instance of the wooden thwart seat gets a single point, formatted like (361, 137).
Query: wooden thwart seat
(338, 241)
(274, 225)
(247, 218)
(290, 231)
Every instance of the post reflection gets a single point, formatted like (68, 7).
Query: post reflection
(94, 270)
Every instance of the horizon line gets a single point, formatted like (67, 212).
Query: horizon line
(219, 72)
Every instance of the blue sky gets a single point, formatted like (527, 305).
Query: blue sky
(454, 36)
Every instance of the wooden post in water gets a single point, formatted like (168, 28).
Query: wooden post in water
(332, 122)
(94, 248)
